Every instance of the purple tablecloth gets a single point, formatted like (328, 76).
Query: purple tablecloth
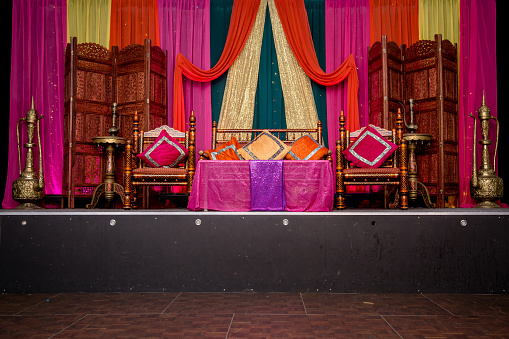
(267, 188)
(226, 186)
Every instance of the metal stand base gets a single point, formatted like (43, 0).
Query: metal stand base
(101, 189)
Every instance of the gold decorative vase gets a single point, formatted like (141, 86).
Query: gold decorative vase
(28, 189)
(485, 186)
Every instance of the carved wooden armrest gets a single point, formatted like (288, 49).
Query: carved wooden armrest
(203, 155)
(128, 171)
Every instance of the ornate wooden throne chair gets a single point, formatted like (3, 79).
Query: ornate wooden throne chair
(372, 156)
(159, 157)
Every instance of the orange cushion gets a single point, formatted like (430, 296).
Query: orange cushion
(306, 148)
(226, 151)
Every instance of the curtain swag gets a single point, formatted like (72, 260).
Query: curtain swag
(295, 25)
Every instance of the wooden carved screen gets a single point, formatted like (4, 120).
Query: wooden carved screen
(140, 75)
(88, 98)
(385, 81)
(431, 79)
(426, 72)
(141, 85)
(134, 78)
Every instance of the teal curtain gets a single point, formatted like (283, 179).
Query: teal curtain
(269, 104)
(316, 17)
(220, 13)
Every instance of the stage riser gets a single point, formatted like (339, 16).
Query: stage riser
(329, 252)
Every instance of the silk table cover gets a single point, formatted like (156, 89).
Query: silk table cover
(226, 186)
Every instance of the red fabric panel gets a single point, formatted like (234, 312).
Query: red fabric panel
(398, 19)
(133, 21)
(242, 20)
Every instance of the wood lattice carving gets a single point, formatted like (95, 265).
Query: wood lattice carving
(134, 78)
(429, 75)
(385, 72)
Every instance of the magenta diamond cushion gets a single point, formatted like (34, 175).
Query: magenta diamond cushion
(165, 151)
(370, 149)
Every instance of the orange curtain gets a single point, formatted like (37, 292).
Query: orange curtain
(398, 19)
(293, 16)
(133, 21)
(242, 20)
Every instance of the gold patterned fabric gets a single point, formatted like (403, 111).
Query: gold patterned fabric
(300, 108)
(237, 109)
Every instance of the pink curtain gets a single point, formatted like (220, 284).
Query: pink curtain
(39, 29)
(295, 25)
(347, 32)
(185, 28)
(478, 73)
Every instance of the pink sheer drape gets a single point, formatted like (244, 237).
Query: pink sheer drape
(347, 32)
(478, 73)
(39, 30)
(185, 28)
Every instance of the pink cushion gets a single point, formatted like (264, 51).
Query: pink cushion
(370, 149)
(164, 151)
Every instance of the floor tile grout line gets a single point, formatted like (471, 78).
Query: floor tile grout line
(65, 328)
(445, 309)
(388, 324)
(40, 302)
(229, 327)
(303, 304)
(171, 302)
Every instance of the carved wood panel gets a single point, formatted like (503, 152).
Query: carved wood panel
(134, 78)
(429, 76)
(385, 81)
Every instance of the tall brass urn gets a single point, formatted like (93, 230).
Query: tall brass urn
(28, 189)
(485, 186)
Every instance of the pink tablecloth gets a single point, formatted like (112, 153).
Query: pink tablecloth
(226, 186)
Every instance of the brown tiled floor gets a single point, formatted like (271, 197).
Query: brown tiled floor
(253, 315)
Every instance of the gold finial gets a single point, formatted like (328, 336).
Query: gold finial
(484, 111)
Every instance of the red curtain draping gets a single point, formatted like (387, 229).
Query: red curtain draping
(293, 16)
(133, 21)
(242, 20)
(397, 19)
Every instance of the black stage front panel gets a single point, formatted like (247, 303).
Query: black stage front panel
(432, 251)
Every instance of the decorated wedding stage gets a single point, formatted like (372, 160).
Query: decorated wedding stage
(359, 249)
(419, 250)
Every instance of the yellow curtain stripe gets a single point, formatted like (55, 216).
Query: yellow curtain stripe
(89, 21)
(439, 17)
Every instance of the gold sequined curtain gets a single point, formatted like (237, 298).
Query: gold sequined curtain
(237, 108)
(300, 108)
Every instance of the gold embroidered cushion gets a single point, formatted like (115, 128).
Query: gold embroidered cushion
(264, 147)
(306, 148)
